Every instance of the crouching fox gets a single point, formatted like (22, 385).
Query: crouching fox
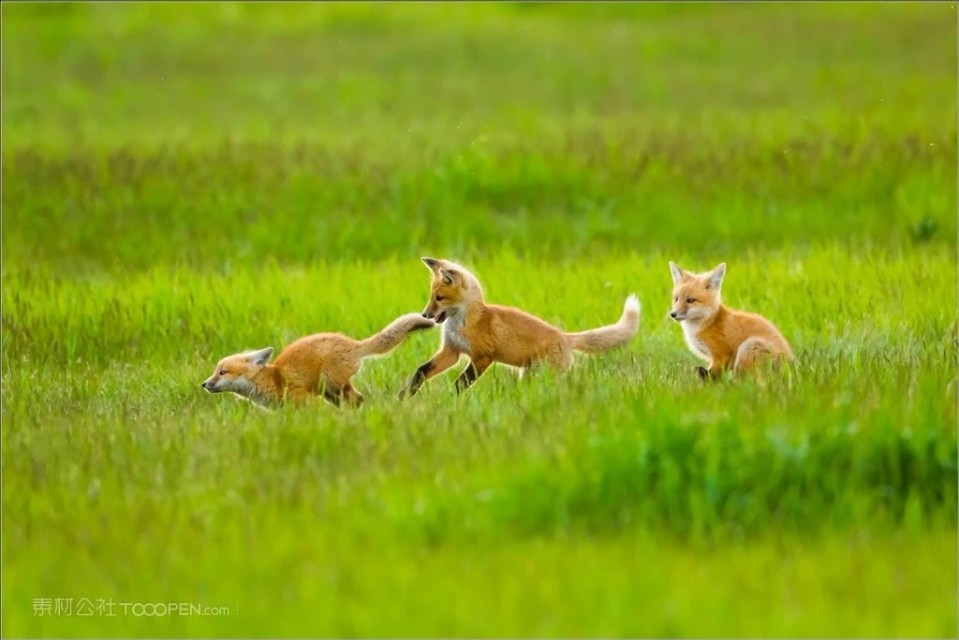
(725, 338)
(322, 363)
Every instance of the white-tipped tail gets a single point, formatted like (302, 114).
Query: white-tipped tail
(611, 336)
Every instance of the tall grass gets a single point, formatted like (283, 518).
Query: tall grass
(181, 182)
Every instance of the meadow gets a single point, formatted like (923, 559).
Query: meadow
(180, 182)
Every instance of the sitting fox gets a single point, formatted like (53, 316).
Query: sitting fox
(322, 363)
(489, 333)
(727, 339)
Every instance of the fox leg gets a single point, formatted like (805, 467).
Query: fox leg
(527, 371)
(715, 371)
(558, 358)
(297, 395)
(443, 360)
(337, 394)
(474, 370)
(353, 397)
(332, 395)
(712, 373)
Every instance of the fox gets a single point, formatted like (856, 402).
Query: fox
(318, 364)
(728, 340)
(488, 333)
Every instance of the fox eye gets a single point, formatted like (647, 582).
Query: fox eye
(222, 372)
(690, 300)
(440, 298)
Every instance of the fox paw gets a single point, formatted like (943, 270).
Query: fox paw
(703, 373)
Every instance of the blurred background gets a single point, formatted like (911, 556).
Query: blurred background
(151, 134)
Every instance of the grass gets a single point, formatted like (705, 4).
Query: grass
(182, 182)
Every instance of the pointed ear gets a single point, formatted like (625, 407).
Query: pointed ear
(678, 274)
(447, 276)
(431, 263)
(714, 279)
(260, 357)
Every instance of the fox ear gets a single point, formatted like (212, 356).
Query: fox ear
(431, 263)
(715, 277)
(678, 274)
(261, 356)
(447, 276)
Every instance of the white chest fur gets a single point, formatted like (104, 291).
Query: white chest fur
(453, 333)
(698, 346)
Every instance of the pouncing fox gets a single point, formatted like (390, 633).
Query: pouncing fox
(488, 333)
(322, 363)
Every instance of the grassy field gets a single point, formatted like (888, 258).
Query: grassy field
(182, 181)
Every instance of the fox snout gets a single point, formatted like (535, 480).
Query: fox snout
(211, 385)
(433, 312)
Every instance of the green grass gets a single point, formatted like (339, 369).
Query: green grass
(182, 182)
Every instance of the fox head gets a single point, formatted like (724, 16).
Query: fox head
(235, 373)
(452, 290)
(696, 297)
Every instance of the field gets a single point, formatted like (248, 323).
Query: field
(181, 182)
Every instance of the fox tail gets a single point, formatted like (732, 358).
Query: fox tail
(610, 336)
(393, 334)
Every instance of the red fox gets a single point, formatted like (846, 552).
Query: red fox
(489, 333)
(725, 338)
(322, 363)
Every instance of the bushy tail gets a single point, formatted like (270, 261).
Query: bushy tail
(754, 350)
(393, 334)
(608, 337)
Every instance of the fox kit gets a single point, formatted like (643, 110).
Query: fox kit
(489, 333)
(322, 363)
(725, 338)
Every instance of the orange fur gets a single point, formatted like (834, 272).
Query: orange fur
(322, 363)
(489, 333)
(729, 340)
